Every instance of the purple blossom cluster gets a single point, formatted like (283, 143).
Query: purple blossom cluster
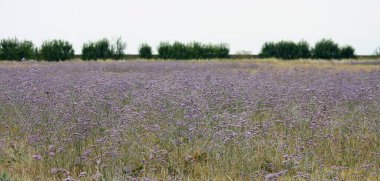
(136, 119)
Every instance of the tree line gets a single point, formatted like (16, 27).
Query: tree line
(323, 49)
(60, 50)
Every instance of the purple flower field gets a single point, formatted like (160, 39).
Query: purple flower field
(189, 121)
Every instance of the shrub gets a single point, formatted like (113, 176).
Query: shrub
(101, 49)
(104, 49)
(119, 48)
(9, 49)
(194, 50)
(326, 49)
(56, 50)
(25, 50)
(285, 50)
(303, 50)
(222, 51)
(178, 51)
(163, 50)
(89, 51)
(347, 52)
(37, 54)
(268, 50)
(145, 51)
(12, 49)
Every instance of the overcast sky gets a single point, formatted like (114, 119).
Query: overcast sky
(243, 24)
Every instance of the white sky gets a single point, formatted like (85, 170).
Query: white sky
(243, 24)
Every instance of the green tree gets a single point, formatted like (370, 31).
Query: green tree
(145, 51)
(56, 50)
(13, 49)
(326, 49)
(347, 52)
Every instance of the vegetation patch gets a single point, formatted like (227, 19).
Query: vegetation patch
(13, 49)
(145, 51)
(195, 50)
(171, 120)
(324, 49)
(56, 50)
(103, 49)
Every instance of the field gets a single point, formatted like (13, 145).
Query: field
(195, 120)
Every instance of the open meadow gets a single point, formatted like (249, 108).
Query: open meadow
(193, 120)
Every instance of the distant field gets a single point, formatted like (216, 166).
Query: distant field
(194, 120)
(236, 56)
